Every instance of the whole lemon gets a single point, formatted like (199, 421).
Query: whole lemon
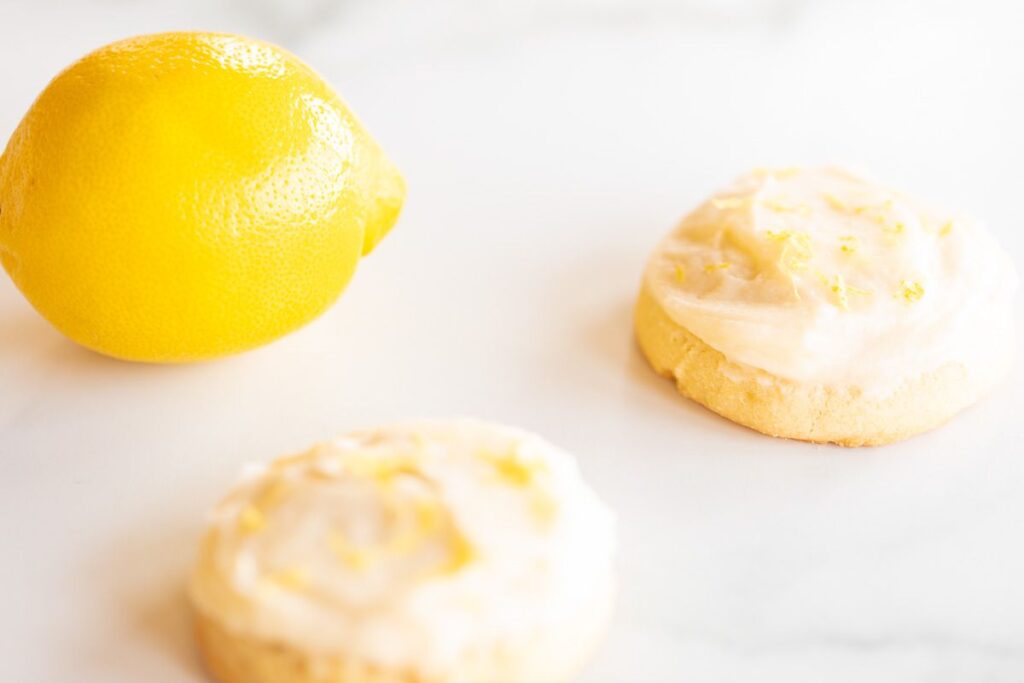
(182, 196)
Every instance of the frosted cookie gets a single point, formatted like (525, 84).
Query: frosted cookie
(430, 552)
(815, 305)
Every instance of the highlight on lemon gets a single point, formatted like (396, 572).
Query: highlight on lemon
(183, 196)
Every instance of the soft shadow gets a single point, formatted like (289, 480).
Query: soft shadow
(164, 619)
(35, 352)
(601, 352)
(28, 341)
(140, 577)
(24, 332)
(609, 338)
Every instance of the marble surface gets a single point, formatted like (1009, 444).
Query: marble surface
(547, 146)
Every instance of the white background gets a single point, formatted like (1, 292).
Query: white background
(547, 147)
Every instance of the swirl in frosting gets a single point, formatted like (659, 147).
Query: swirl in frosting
(408, 547)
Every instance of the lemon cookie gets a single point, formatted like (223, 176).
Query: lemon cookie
(816, 305)
(431, 552)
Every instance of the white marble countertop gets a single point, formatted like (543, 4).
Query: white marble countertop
(547, 147)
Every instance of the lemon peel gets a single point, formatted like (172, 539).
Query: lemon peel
(232, 211)
(910, 291)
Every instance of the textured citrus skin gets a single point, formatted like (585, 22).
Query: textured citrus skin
(181, 196)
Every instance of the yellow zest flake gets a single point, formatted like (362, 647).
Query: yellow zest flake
(514, 472)
(730, 202)
(291, 579)
(513, 469)
(896, 228)
(779, 173)
(796, 249)
(712, 267)
(680, 274)
(271, 495)
(781, 206)
(428, 516)
(835, 202)
(848, 244)
(910, 291)
(838, 287)
(946, 228)
(850, 289)
(801, 239)
(461, 554)
(357, 559)
(405, 542)
(544, 508)
(381, 469)
(251, 520)
(879, 209)
(842, 291)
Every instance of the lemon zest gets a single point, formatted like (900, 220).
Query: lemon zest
(838, 286)
(251, 520)
(730, 202)
(512, 469)
(910, 291)
(291, 579)
(428, 516)
(462, 553)
(796, 249)
(896, 228)
(357, 559)
(779, 173)
(850, 289)
(835, 202)
(383, 470)
(544, 507)
(780, 206)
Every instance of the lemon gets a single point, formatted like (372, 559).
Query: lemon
(182, 196)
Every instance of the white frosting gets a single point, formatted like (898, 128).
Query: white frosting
(412, 547)
(819, 276)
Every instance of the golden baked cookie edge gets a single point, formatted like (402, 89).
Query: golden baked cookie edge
(783, 408)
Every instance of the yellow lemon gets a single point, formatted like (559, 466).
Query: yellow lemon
(182, 196)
